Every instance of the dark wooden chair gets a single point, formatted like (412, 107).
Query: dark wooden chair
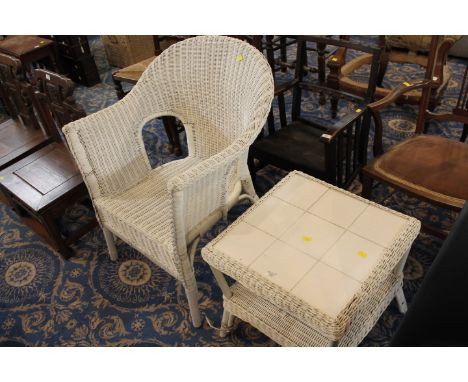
(332, 149)
(431, 168)
(401, 50)
(20, 135)
(45, 183)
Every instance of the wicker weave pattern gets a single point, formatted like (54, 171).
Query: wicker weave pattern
(221, 89)
(330, 327)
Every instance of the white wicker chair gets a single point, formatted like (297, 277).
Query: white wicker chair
(221, 89)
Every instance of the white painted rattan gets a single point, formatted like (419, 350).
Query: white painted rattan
(291, 321)
(221, 89)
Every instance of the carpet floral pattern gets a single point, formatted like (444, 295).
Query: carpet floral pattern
(89, 300)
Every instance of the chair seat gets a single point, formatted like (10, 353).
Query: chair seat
(145, 209)
(433, 168)
(294, 147)
(17, 141)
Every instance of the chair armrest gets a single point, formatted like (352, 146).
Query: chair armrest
(390, 98)
(283, 88)
(332, 132)
(396, 93)
(204, 189)
(108, 147)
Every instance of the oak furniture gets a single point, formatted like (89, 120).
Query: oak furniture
(21, 134)
(400, 50)
(431, 168)
(313, 265)
(77, 60)
(332, 149)
(43, 184)
(29, 50)
(163, 212)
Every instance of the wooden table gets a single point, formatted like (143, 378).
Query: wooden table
(44, 184)
(314, 265)
(30, 49)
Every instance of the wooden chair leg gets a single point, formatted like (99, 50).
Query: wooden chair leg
(367, 182)
(172, 134)
(464, 133)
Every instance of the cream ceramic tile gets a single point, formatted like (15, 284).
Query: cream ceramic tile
(244, 243)
(326, 289)
(283, 265)
(300, 191)
(338, 208)
(378, 225)
(273, 216)
(354, 256)
(312, 235)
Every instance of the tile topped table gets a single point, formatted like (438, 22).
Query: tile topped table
(313, 264)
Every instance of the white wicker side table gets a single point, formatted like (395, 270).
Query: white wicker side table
(314, 265)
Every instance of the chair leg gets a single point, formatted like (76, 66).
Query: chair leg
(192, 297)
(464, 133)
(249, 188)
(226, 323)
(401, 301)
(109, 237)
(366, 185)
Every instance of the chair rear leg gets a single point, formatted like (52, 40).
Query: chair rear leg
(109, 237)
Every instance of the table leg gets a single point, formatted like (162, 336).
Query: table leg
(226, 323)
(53, 230)
(401, 301)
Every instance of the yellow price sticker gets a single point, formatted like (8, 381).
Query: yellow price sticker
(406, 83)
(240, 57)
(362, 254)
(307, 238)
(358, 110)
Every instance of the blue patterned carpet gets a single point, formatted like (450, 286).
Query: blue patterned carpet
(91, 301)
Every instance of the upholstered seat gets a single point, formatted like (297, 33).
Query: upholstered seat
(427, 165)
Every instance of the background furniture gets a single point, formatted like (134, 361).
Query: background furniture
(20, 135)
(132, 73)
(431, 168)
(163, 212)
(439, 312)
(77, 61)
(333, 150)
(123, 51)
(44, 183)
(401, 50)
(312, 263)
(29, 50)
